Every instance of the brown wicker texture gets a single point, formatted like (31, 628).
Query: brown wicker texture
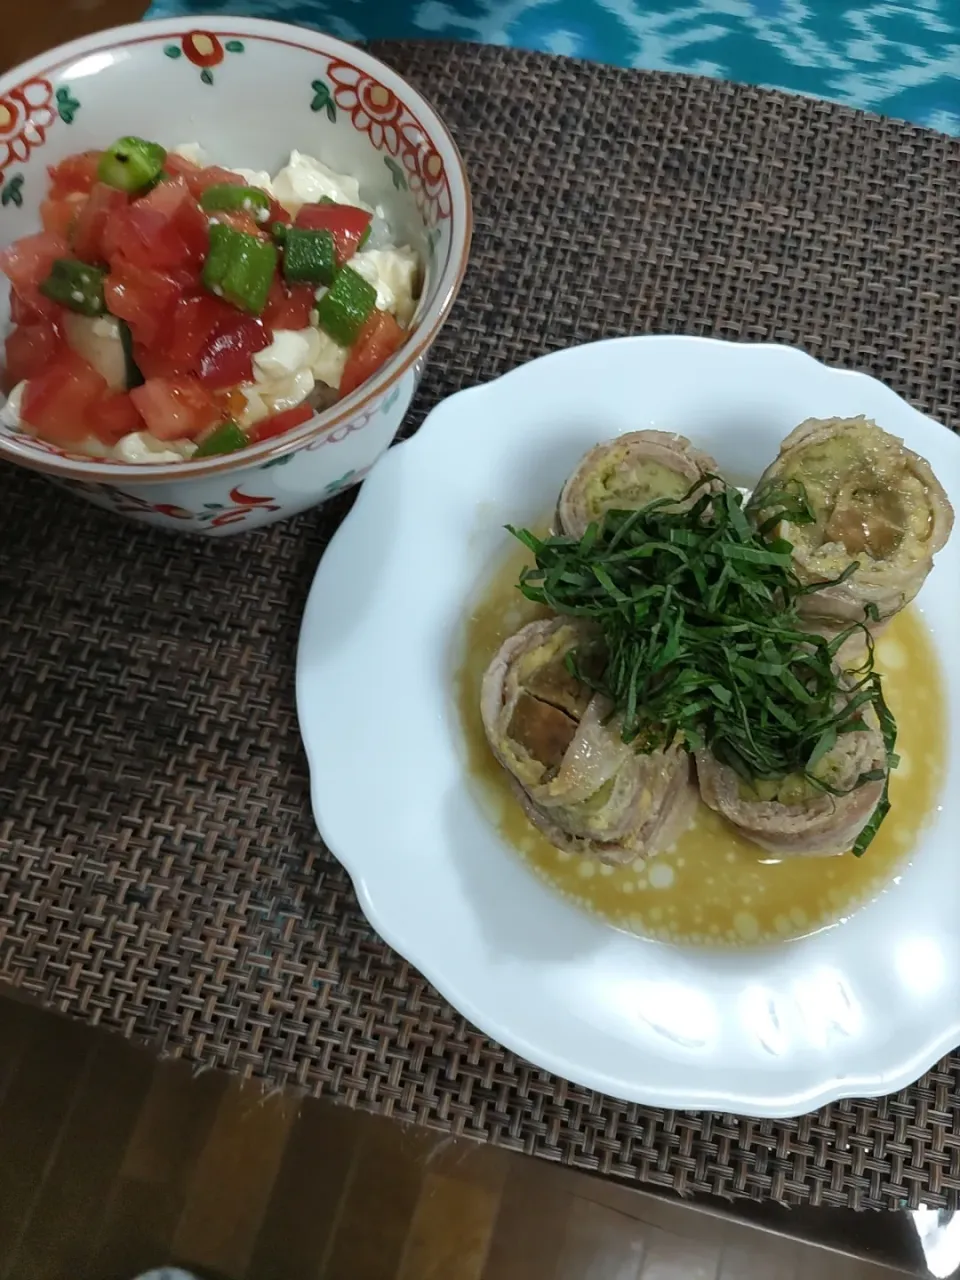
(159, 869)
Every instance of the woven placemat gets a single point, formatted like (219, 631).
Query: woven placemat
(159, 868)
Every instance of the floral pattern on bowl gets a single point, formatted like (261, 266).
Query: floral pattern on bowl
(326, 99)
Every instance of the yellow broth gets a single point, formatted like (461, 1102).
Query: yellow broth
(713, 887)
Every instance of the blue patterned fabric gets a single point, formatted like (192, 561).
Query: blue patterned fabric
(898, 57)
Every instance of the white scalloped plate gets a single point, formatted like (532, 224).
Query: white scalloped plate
(861, 1008)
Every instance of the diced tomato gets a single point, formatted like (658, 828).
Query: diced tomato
(30, 348)
(289, 305)
(179, 166)
(175, 408)
(37, 308)
(57, 403)
(153, 363)
(165, 231)
(200, 179)
(26, 264)
(75, 173)
(193, 322)
(278, 213)
(227, 359)
(379, 338)
(113, 417)
(101, 205)
(240, 220)
(144, 298)
(59, 216)
(197, 179)
(345, 223)
(280, 423)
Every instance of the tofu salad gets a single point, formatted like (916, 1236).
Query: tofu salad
(173, 309)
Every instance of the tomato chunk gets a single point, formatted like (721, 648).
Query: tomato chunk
(144, 298)
(102, 204)
(28, 260)
(76, 173)
(379, 338)
(175, 408)
(195, 319)
(289, 305)
(113, 417)
(227, 358)
(240, 220)
(59, 216)
(164, 231)
(57, 403)
(29, 349)
(347, 224)
(280, 423)
(199, 179)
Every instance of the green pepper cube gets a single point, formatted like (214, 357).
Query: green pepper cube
(76, 286)
(309, 257)
(227, 438)
(345, 308)
(225, 197)
(131, 164)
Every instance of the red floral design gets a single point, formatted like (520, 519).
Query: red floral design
(374, 109)
(130, 504)
(244, 503)
(426, 176)
(26, 113)
(203, 48)
(377, 111)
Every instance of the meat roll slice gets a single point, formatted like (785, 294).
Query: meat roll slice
(792, 816)
(628, 473)
(877, 505)
(577, 780)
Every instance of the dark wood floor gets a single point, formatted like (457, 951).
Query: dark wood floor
(112, 1162)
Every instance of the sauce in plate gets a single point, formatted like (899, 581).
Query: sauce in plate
(713, 887)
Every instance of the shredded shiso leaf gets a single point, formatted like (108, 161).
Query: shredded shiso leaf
(694, 606)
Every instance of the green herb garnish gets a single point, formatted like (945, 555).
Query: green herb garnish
(696, 608)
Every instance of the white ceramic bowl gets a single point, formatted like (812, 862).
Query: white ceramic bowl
(249, 92)
(863, 1007)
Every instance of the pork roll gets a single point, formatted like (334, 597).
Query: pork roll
(628, 473)
(877, 505)
(585, 788)
(792, 816)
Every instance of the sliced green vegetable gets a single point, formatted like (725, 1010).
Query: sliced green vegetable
(131, 164)
(227, 438)
(227, 198)
(240, 267)
(309, 257)
(346, 307)
(76, 286)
